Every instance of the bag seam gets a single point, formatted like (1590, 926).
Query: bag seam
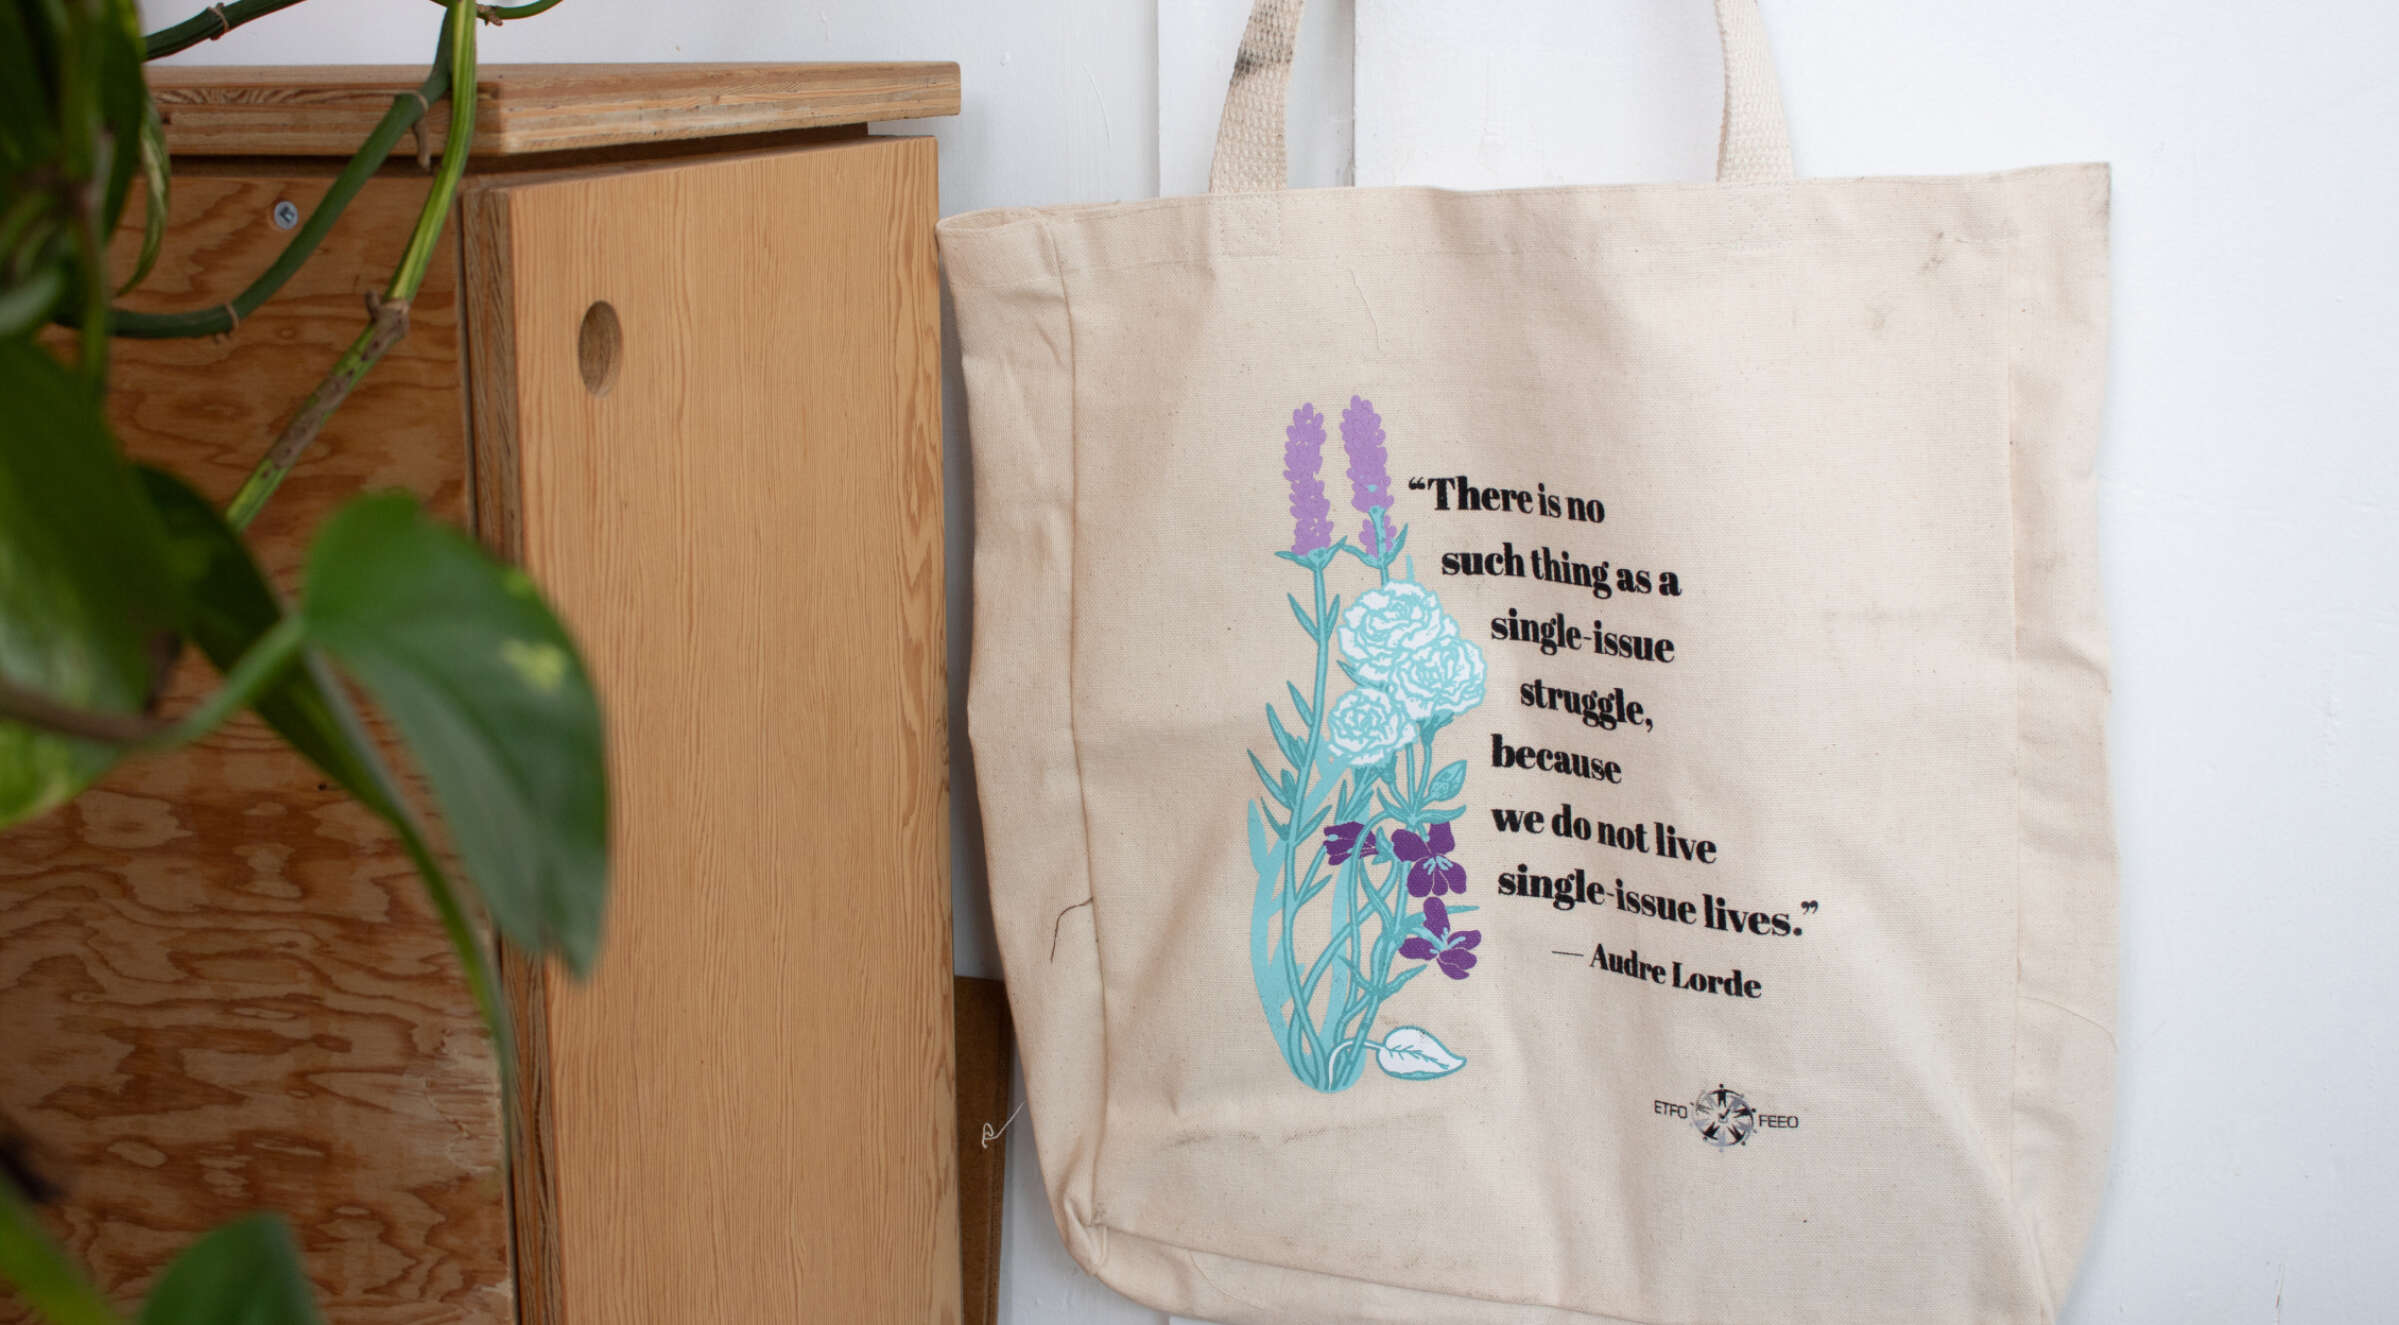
(2029, 1240)
(1191, 1255)
(1001, 218)
(1074, 475)
(1213, 257)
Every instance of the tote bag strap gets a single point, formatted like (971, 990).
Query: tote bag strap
(1754, 145)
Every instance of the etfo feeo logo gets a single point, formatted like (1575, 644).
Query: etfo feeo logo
(1724, 1118)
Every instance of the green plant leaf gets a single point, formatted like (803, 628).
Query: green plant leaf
(30, 305)
(492, 699)
(27, 124)
(156, 186)
(39, 1270)
(87, 607)
(124, 95)
(231, 607)
(245, 1273)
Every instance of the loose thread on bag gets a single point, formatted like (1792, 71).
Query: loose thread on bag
(1061, 924)
(990, 1136)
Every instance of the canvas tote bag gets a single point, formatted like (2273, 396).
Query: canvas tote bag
(1540, 751)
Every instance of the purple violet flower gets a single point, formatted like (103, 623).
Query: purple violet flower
(1341, 841)
(1303, 455)
(1430, 872)
(1369, 472)
(1453, 953)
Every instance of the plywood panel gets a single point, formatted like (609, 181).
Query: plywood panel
(751, 1103)
(220, 990)
(327, 110)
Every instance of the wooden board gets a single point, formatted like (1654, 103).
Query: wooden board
(233, 110)
(220, 988)
(986, 1041)
(749, 1114)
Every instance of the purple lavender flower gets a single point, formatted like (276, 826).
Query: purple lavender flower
(1303, 455)
(1341, 841)
(1369, 472)
(1454, 953)
(1430, 871)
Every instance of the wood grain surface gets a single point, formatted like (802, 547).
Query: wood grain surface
(750, 1107)
(236, 110)
(220, 988)
(986, 1041)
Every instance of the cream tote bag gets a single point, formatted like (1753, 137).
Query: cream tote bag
(1541, 751)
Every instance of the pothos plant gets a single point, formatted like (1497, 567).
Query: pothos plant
(110, 571)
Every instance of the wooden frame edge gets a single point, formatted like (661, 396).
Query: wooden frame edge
(496, 501)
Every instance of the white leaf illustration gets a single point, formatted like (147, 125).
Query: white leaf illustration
(1412, 1054)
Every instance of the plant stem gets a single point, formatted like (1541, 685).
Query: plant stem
(454, 152)
(375, 787)
(258, 669)
(207, 25)
(406, 110)
(389, 324)
(86, 128)
(472, 957)
(266, 660)
(34, 709)
(92, 250)
(498, 14)
(503, 13)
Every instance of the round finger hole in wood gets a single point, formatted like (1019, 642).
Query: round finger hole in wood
(599, 346)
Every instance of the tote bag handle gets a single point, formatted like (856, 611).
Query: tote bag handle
(1754, 145)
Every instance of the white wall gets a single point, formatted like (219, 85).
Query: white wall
(2250, 474)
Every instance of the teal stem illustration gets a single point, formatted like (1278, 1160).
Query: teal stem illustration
(1358, 815)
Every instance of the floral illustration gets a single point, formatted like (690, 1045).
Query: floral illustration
(1352, 838)
(1430, 870)
(1451, 950)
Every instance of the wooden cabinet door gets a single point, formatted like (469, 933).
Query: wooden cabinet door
(706, 417)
